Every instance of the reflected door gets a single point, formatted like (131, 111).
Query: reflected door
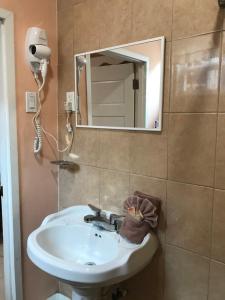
(112, 96)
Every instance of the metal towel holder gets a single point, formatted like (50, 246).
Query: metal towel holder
(64, 163)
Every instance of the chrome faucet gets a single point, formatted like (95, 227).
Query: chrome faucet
(100, 220)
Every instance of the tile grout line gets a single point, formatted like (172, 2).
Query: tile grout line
(189, 251)
(172, 20)
(167, 145)
(99, 172)
(127, 172)
(215, 159)
(130, 174)
(198, 35)
(193, 113)
(168, 135)
(152, 177)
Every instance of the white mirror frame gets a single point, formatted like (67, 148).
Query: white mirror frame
(163, 40)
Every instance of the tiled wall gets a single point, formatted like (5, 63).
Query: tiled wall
(185, 164)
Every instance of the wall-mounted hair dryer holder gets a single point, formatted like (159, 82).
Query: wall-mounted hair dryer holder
(37, 55)
(36, 48)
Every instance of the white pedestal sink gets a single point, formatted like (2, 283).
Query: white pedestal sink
(83, 256)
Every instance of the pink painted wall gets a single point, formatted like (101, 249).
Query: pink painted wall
(38, 180)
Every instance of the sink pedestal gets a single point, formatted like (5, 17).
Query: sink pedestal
(86, 294)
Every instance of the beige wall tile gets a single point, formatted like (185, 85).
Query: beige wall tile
(63, 4)
(116, 15)
(191, 17)
(152, 19)
(222, 78)
(65, 289)
(186, 275)
(79, 187)
(189, 217)
(114, 150)
(148, 284)
(114, 190)
(86, 145)
(166, 87)
(1, 268)
(62, 132)
(66, 84)
(220, 153)
(2, 287)
(217, 280)
(191, 148)
(65, 36)
(154, 187)
(149, 185)
(192, 138)
(77, 1)
(87, 26)
(218, 233)
(195, 74)
(149, 153)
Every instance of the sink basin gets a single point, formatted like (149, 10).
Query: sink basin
(78, 244)
(83, 255)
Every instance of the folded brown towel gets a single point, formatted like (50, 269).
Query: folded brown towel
(142, 215)
(156, 201)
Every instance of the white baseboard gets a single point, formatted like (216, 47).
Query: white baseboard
(58, 296)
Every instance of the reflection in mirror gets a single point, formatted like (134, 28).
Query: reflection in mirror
(121, 87)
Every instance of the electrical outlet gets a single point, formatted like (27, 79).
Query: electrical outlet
(31, 102)
(70, 101)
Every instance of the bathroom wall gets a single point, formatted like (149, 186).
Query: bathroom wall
(184, 165)
(38, 179)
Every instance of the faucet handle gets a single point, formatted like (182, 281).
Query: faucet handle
(95, 209)
(114, 217)
(116, 220)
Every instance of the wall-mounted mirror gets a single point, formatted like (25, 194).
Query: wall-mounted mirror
(121, 87)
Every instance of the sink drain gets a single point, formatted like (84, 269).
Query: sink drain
(90, 263)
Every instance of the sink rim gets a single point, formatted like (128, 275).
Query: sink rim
(118, 267)
(122, 256)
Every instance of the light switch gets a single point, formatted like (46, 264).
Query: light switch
(31, 102)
